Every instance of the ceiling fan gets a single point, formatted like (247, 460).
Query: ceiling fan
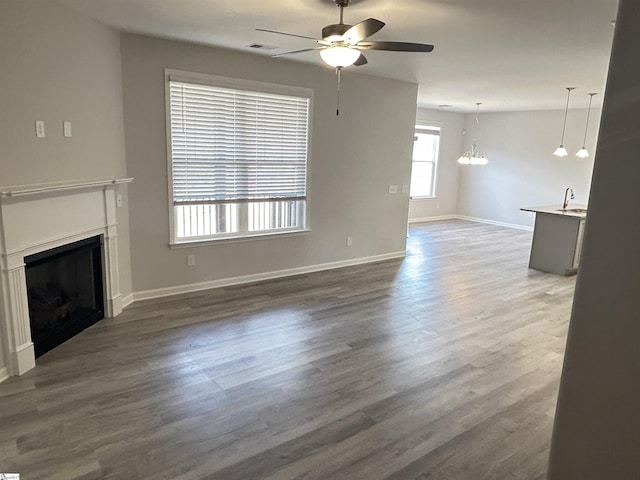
(341, 44)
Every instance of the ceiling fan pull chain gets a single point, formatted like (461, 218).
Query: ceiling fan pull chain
(339, 78)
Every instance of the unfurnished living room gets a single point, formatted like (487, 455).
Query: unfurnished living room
(319, 239)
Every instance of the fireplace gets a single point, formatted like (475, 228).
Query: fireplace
(64, 292)
(49, 222)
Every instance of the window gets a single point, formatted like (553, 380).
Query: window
(238, 154)
(425, 157)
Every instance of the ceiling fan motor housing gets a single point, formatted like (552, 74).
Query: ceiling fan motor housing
(335, 31)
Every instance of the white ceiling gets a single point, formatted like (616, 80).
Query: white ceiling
(507, 54)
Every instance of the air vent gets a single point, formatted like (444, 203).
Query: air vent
(261, 46)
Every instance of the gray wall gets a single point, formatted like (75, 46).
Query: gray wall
(354, 158)
(57, 65)
(597, 425)
(522, 169)
(446, 201)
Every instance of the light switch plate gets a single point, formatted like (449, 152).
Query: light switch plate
(66, 129)
(405, 188)
(40, 133)
(393, 189)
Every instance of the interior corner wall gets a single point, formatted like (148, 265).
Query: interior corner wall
(522, 170)
(57, 65)
(445, 202)
(354, 158)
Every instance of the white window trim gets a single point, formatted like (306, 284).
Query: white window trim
(243, 84)
(263, 235)
(426, 125)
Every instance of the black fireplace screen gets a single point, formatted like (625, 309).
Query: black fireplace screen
(64, 287)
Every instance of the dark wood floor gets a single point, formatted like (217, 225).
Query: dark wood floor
(442, 366)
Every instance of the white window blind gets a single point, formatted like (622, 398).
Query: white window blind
(236, 146)
(238, 157)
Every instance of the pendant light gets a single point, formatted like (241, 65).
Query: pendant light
(561, 151)
(583, 152)
(473, 156)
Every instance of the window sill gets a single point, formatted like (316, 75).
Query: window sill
(239, 239)
(429, 197)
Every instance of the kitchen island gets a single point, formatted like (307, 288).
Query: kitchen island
(557, 238)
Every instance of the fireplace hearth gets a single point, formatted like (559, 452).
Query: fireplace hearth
(64, 291)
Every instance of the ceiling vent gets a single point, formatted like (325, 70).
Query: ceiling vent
(261, 46)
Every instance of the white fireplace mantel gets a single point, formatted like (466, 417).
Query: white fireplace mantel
(36, 218)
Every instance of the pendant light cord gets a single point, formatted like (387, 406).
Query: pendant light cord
(475, 138)
(586, 128)
(338, 78)
(566, 112)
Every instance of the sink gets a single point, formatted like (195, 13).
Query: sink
(573, 210)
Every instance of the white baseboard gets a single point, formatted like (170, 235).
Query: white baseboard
(470, 219)
(4, 374)
(493, 222)
(227, 282)
(127, 300)
(433, 219)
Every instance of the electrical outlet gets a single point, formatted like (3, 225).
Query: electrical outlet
(405, 188)
(191, 260)
(349, 241)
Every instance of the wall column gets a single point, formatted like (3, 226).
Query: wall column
(597, 427)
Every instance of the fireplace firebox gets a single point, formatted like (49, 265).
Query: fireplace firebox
(64, 291)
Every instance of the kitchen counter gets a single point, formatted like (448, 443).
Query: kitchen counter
(557, 238)
(557, 210)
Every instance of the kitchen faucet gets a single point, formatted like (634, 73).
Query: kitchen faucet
(565, 204)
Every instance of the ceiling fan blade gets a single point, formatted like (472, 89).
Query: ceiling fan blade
(395, 46)
(297, 51)
(362, 60)
(362, 30)
(284, 33)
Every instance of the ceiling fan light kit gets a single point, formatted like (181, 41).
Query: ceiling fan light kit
(342, 44)
(339, 56)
